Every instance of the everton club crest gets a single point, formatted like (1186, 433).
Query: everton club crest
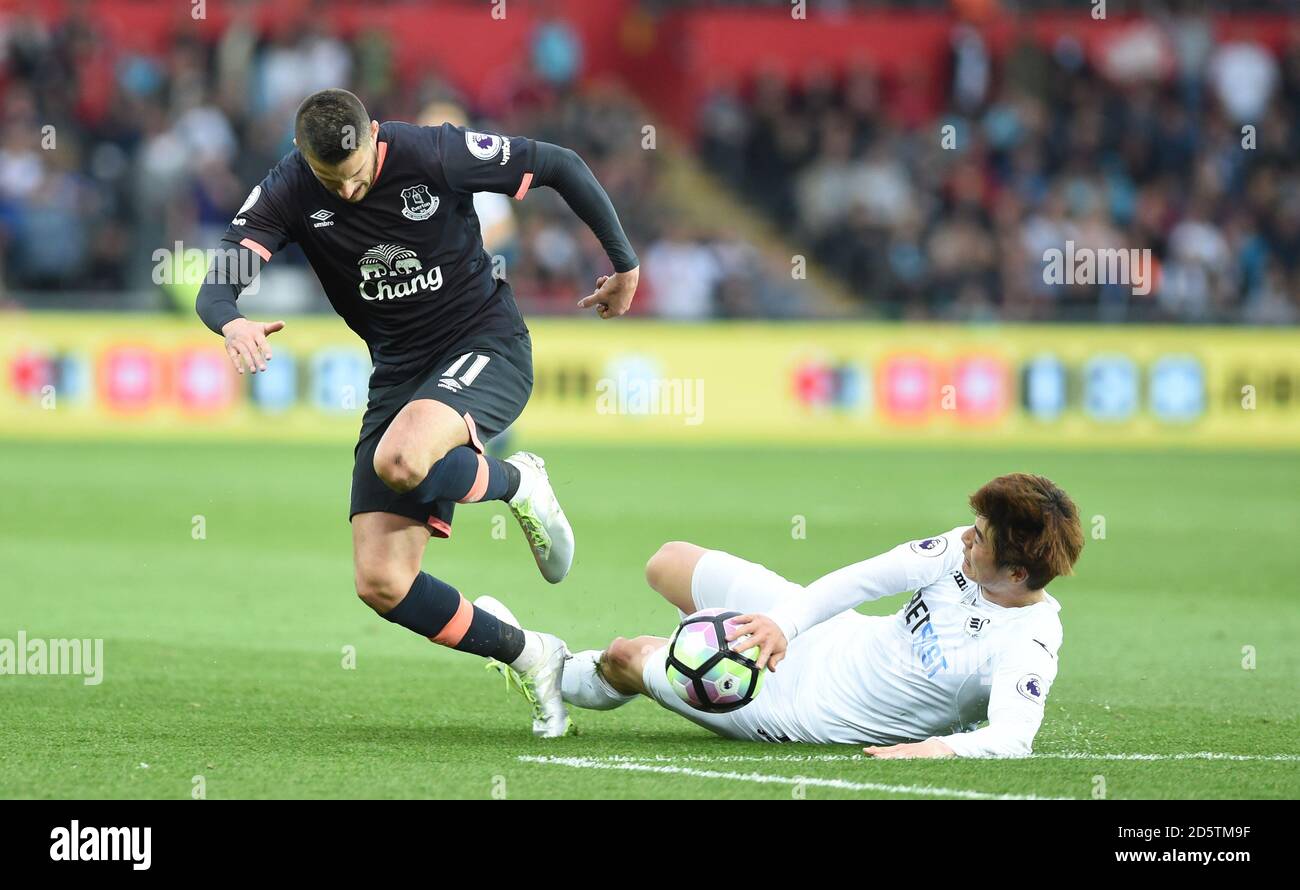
(417, 203)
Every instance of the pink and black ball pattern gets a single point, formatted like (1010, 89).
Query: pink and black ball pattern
(703, 669)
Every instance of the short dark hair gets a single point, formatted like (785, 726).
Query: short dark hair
(1033, 524)
(330, 125)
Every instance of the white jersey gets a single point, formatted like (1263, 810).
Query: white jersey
(946, 661)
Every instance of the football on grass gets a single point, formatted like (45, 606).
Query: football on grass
(705, 671)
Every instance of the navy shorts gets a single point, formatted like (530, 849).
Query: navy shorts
(487, 381)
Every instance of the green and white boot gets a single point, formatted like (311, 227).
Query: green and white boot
(540, 684)
(545, 526)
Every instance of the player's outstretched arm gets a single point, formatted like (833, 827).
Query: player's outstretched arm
(894, 572)
(563, 170)
(246, 342)
(256, 233)
(906, 567)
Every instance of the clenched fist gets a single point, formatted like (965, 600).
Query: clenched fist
(613, 293)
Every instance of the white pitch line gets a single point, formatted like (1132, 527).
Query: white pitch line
(1195, 755)
(845, 758)
(767, 779)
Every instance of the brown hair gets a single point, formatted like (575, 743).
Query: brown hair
(1032, 523)
(330, 125)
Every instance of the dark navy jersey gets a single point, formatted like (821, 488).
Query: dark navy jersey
(405, 266)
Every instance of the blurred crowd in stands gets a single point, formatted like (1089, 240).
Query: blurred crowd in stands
(1172, 143)
(1116, 7)
(1168, 142)
(107, 156)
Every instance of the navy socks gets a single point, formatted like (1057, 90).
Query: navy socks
(436, 610)
(466, 476)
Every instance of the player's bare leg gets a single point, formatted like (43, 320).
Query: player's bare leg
(603, 679)
(386, 554)
(421, 434)
(431, 448)
(670, 570)
(387, 551)
(624, 662)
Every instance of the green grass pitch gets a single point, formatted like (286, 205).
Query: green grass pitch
(223, 656)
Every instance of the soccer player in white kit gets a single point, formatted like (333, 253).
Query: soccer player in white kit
(978, 640)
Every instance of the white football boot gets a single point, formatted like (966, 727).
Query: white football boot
(540, 685)
(539, 514)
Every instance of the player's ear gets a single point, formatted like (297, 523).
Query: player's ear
(374, 130)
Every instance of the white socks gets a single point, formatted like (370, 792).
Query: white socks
(534, 649)
(582, 684)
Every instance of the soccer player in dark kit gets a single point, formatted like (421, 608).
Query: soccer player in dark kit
(385, 215)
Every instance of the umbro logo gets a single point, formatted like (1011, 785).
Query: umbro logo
(322, 218)
(449, 379)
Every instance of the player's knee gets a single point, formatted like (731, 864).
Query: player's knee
(620, 665)
(624, 660)
(400, 470)
(619, 655)
(663, 566)
(381, 589)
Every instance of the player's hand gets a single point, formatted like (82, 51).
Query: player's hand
(246, 343)
(764, 633)
(928, 748)
(613, 293)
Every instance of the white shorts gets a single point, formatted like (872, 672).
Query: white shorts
(724, 581)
